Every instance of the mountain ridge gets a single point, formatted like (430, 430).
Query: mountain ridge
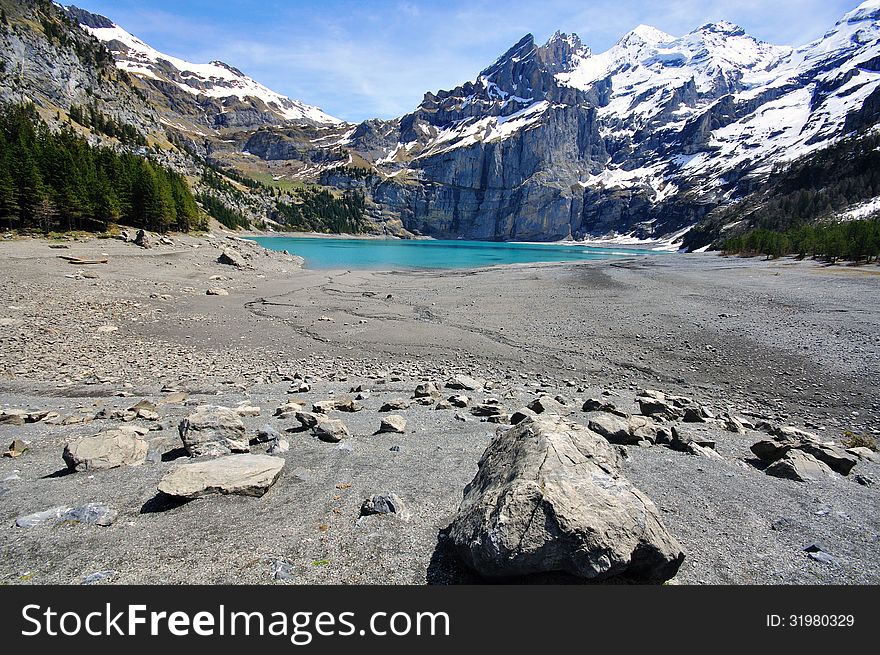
(645, 140)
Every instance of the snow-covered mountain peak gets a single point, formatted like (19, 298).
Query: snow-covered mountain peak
(725, 28)
(869, 10)
(216, 79)
(646, 34)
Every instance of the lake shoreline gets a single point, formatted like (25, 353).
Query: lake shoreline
(745, 337)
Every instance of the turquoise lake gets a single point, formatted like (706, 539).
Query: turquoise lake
(396, 254)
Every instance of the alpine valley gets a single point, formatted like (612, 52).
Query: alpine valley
(646, 141)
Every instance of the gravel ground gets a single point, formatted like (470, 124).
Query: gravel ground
(793, 342)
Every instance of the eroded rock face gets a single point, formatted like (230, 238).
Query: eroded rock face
(246, 475)
(549, 496)
(214, 431)
(106, 450)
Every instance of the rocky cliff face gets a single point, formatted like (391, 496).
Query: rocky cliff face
(44, 59)
(645, 139)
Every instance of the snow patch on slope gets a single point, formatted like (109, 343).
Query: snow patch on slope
(215, 79)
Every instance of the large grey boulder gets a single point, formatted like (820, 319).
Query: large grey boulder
(549, 496)
(106, 450)
(799, 466)
(212, 430)
(230, 257)
(834, 456)
(245, 475)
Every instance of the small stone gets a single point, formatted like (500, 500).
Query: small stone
(265, 434)
(548, 405)
(342, 404)
(692, 415)
(799, 466)
(93, 513)
(281, 570)
(330, 430)
(393, 423)
(247, 410)
(426, 390)
(278, 447)
(395, 405)
(385, 503)
(217, 292)
(521, 415)
(16, 449)
(99, 577)
(465, 383)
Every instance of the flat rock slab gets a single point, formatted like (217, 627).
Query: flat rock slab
(549, 496)
(245, 475)
(106, 450)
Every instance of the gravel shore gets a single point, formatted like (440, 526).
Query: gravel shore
(786, 342)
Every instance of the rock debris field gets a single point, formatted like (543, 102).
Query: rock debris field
(195, 409)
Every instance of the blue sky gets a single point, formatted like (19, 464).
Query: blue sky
(376, 58)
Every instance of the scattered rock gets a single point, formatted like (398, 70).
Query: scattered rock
(99, 577)
(306, 421)
(528, 512)
(245, 475)
(385, 503)
(330, 430)
(289, 410)
(521, 415)
(686, 442)
(213, 430)
(459, 401)
(612, 428)
(488, 408)
(818, 554)
(548, 405)
(278, 446)
(143, 239)
(395, 405)
(93, 513)
(426, 390)
(865, 454)
(799, 466)
(16, 449)
(392, 423)
(692, 415)
(281, 570)
(217, 292)
(105, 450)
(771, 450)
(465, 383)
(265, 434)
(230, 257)
(342, 404)
(247, 410)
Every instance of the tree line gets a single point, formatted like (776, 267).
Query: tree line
(58, 181)
(806, 192)
(856, 241)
